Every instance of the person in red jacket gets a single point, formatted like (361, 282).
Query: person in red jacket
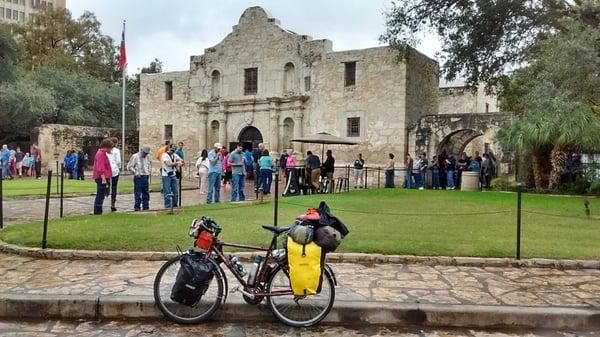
(102, 174)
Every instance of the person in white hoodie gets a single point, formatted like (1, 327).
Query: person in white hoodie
(114, 156)
(202, 166)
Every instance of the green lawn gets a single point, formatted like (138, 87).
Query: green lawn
(395, 221)
(33, 187)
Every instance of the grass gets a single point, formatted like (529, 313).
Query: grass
(451, 223)
(33, 187)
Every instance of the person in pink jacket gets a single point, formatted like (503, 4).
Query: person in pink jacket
(102, 174)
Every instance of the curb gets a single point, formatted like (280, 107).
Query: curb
(361, 258)
(343, 312)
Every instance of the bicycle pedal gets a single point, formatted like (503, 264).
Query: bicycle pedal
(235, 290)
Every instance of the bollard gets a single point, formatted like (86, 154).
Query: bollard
(1, 201)
(379, 177)
(62, 187)
(366, 177)
(46, 210)
(519, 192)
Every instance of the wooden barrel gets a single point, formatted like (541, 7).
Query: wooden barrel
(469, 181)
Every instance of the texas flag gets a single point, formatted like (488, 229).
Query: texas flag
(123, 52)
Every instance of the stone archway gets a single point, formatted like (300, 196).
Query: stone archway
(455, 142)
(250, 136)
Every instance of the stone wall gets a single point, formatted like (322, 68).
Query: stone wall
(55, 140)
(460, 100)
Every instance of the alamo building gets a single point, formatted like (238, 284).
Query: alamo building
(263, 83)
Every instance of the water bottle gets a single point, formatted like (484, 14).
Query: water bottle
(254, 270)
(237, 266)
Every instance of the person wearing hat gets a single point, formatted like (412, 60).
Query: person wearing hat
(170, 162)
(215, 159)
(139, 166)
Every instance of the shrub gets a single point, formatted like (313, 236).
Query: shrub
(503, 185)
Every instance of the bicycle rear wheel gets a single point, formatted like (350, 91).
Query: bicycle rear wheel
(300, 311)
(180, 313)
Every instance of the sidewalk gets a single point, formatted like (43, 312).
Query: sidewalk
(385, 294)
(22, 210)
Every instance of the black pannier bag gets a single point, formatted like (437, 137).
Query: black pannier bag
(192, 280)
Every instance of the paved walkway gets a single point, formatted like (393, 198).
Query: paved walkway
(390, 283)
(20, 210)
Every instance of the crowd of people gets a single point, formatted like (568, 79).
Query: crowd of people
(16, 163)
(446, 171)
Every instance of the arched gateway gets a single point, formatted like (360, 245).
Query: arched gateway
(250, 137)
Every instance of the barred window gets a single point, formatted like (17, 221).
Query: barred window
(307, 83)
(250, 81)
(353, 127)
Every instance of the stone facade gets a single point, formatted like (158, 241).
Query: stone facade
(461, 100)
(302, 89)
(56, 139)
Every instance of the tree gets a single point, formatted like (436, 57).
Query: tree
(483, 40)
(558, 94)
(23, 105)
(80, 98)
(9, 55)
(54, 39)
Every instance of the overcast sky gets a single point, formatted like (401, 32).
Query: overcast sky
(173, 30)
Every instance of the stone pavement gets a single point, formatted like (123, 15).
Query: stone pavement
(52, 328)
(20, 210)
(543, 287)
(374, 286)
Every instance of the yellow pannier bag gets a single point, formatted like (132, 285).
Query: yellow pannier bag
(306, 267)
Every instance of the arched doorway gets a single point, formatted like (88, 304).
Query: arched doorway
(456, 142)
(250, 137)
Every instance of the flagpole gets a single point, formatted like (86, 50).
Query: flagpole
(124, 71)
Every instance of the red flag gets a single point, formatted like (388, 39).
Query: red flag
(123, 52)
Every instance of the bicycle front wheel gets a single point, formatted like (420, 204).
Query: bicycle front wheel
(180, 313)
(300, 311)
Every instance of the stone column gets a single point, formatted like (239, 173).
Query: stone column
(298, 117)
(202, 130)
(223, 125)
(274, 129)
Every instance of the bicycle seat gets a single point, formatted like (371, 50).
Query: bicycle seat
(276, 230)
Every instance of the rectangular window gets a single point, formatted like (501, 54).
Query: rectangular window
(43, 3)
(50, 4)
(1, 12)
(250, 81)
(8, 14)
(168, 131)
(353, 127)
(307, 83)
(350, 74)
(22, 16)
(168, 90)
(31, 17)
(15, 15)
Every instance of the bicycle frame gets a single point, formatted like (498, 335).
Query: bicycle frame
(249, 290)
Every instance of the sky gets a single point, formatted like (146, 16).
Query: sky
(173, 30)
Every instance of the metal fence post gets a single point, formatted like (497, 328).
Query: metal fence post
(180, 190)
(519, 192)
(47, 209)
(276, 204)
(1, 201)
(57, 172)
(62, 187)
(366, 182)
(379, 177)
